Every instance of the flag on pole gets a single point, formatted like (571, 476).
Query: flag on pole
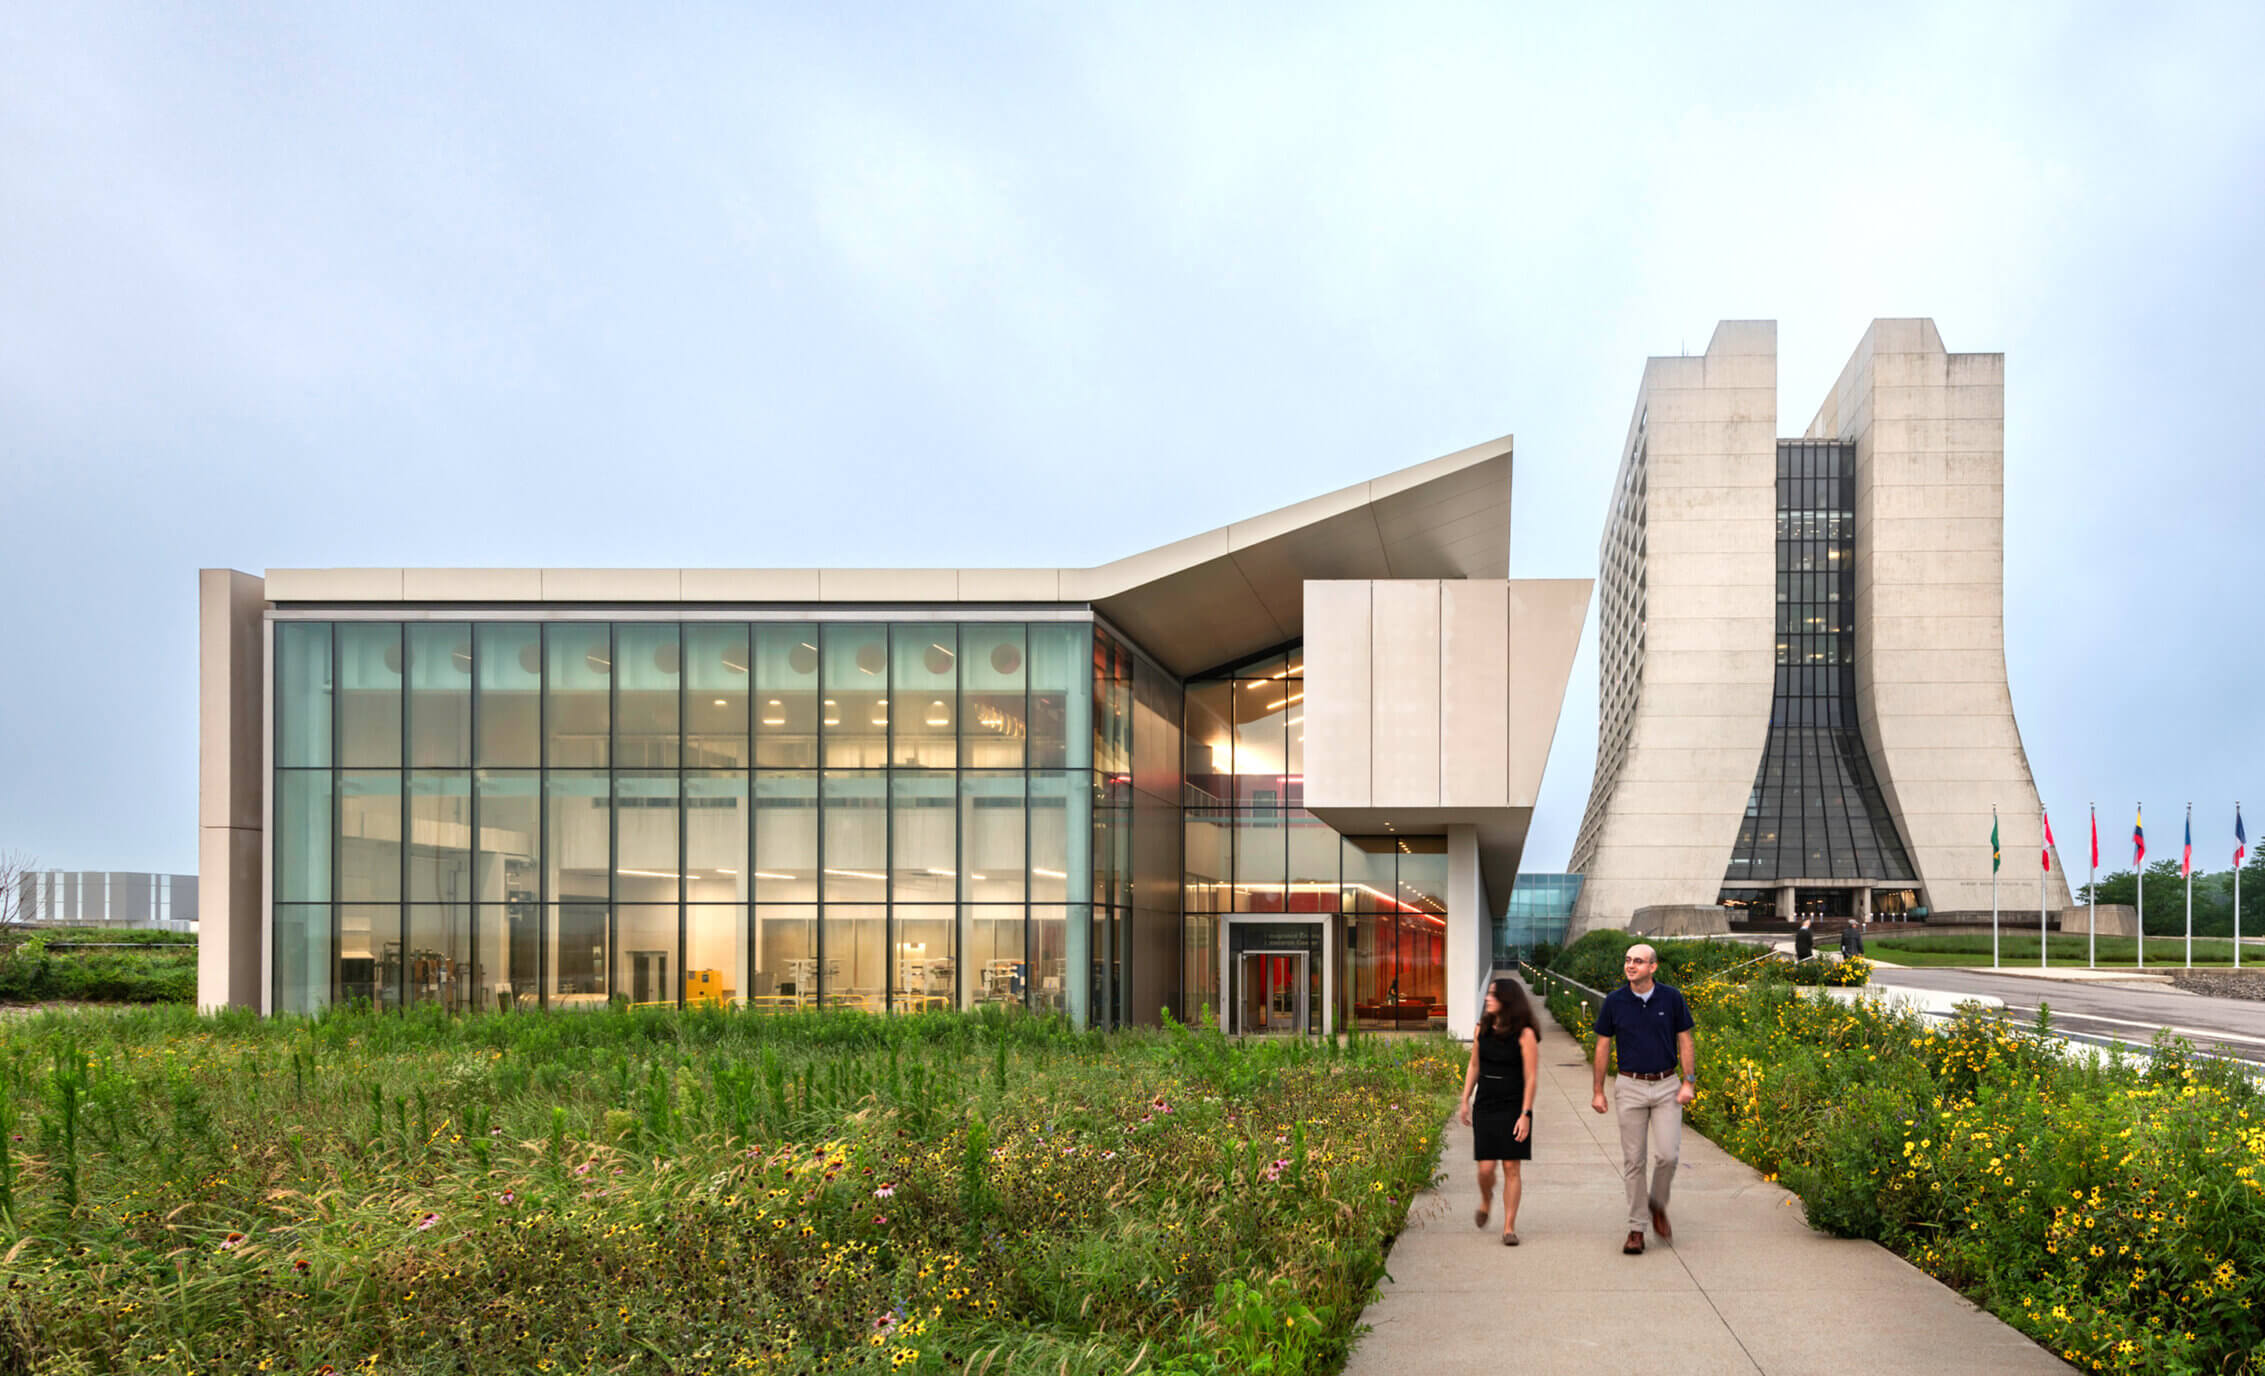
(2186, 853)
(2048, 836)
(2095, 838)
(2241, 838)
(2138, 836)
(1993, 843)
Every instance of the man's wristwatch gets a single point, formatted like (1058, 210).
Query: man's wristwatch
(1691, 1080)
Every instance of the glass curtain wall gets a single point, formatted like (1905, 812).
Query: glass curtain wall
(887, 816)
(1816, 811)
(1249, 847)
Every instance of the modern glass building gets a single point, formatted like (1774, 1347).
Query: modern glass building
(1079, 791)
(1541, 908)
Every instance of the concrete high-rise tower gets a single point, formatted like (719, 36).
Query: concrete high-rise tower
(1803, 702)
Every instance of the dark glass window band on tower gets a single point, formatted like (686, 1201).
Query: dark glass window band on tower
(1816, 810)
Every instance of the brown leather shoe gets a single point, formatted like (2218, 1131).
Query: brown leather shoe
(1659, 1224)
(1634, 1246)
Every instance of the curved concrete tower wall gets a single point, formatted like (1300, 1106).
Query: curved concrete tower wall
(1932, 696)
(1687, 642)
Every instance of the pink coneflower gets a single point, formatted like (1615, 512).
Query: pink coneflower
(507, 1197)
(583, 1169)
(885, 1192)
(233, 1240)
(1109, 1156)
(427, 1221)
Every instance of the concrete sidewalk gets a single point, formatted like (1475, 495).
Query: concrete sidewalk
(1745, 1286)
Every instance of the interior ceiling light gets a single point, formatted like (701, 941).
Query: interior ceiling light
(722, 703)
(768, 874)
(1294, 697)
(1050, 874)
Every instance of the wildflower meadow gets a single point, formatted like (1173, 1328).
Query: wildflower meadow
(696, 1191)
(2109, 1206)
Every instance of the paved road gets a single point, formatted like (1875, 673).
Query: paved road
(2108, 1012)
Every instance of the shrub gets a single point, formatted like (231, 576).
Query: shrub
(2113, 1210)
(1595, 959)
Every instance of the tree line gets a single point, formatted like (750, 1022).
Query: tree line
(2213, 897)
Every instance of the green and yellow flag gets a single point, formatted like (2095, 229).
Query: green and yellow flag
(1994, 857)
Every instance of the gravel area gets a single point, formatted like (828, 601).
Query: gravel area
(2221, 984)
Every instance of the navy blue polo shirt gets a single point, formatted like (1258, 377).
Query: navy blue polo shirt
(1643, 1030)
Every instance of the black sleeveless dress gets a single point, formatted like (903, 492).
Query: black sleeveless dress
(1501, 1097)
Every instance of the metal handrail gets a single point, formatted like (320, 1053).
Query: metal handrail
(1596, 994)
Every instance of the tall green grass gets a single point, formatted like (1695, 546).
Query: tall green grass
(692, 1191)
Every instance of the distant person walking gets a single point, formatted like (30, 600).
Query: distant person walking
(1804, 940)
(1852, 940)
(1650, 1025)
(1498, 1097)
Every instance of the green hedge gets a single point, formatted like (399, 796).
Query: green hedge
(2115, 1212)
(1595, 960)
(166, 972)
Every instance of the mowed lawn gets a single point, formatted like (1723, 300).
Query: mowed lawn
(2020, 948)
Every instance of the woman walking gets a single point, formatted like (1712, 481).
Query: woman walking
(1498, 1097)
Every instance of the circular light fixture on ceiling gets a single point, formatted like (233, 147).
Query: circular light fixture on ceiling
(531, 658)
(393, 658)
(937, 658)
(803, 658)
(665, 657)
(1006, 658)
(872, 658)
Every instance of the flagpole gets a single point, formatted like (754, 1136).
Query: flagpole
(2139, 864)
(2045, 854)
(2238, 848)
(2186, 862)
(2092, 888)
(1993, 886)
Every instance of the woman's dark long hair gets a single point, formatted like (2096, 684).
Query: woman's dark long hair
(1516, 1015)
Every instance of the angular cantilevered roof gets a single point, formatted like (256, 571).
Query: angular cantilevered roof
(1193, 604)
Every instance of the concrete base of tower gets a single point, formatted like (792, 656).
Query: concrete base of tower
(1680, 919)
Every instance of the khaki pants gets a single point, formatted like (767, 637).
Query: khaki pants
(1651, 1123)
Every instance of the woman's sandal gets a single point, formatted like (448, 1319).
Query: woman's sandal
(1509, 1239)
(1479, 1218)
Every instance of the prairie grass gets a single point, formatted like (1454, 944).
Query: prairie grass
(698, 1191)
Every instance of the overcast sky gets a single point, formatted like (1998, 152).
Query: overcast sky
(675, 285)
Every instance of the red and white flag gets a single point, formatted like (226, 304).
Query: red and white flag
(2048, 852)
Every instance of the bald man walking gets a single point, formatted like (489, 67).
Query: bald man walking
(1651, 1026)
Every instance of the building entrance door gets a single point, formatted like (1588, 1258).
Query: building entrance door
(1273, 993)
(648, 977)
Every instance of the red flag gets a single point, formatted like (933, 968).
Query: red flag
(2095, 838)
(2048, 853)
